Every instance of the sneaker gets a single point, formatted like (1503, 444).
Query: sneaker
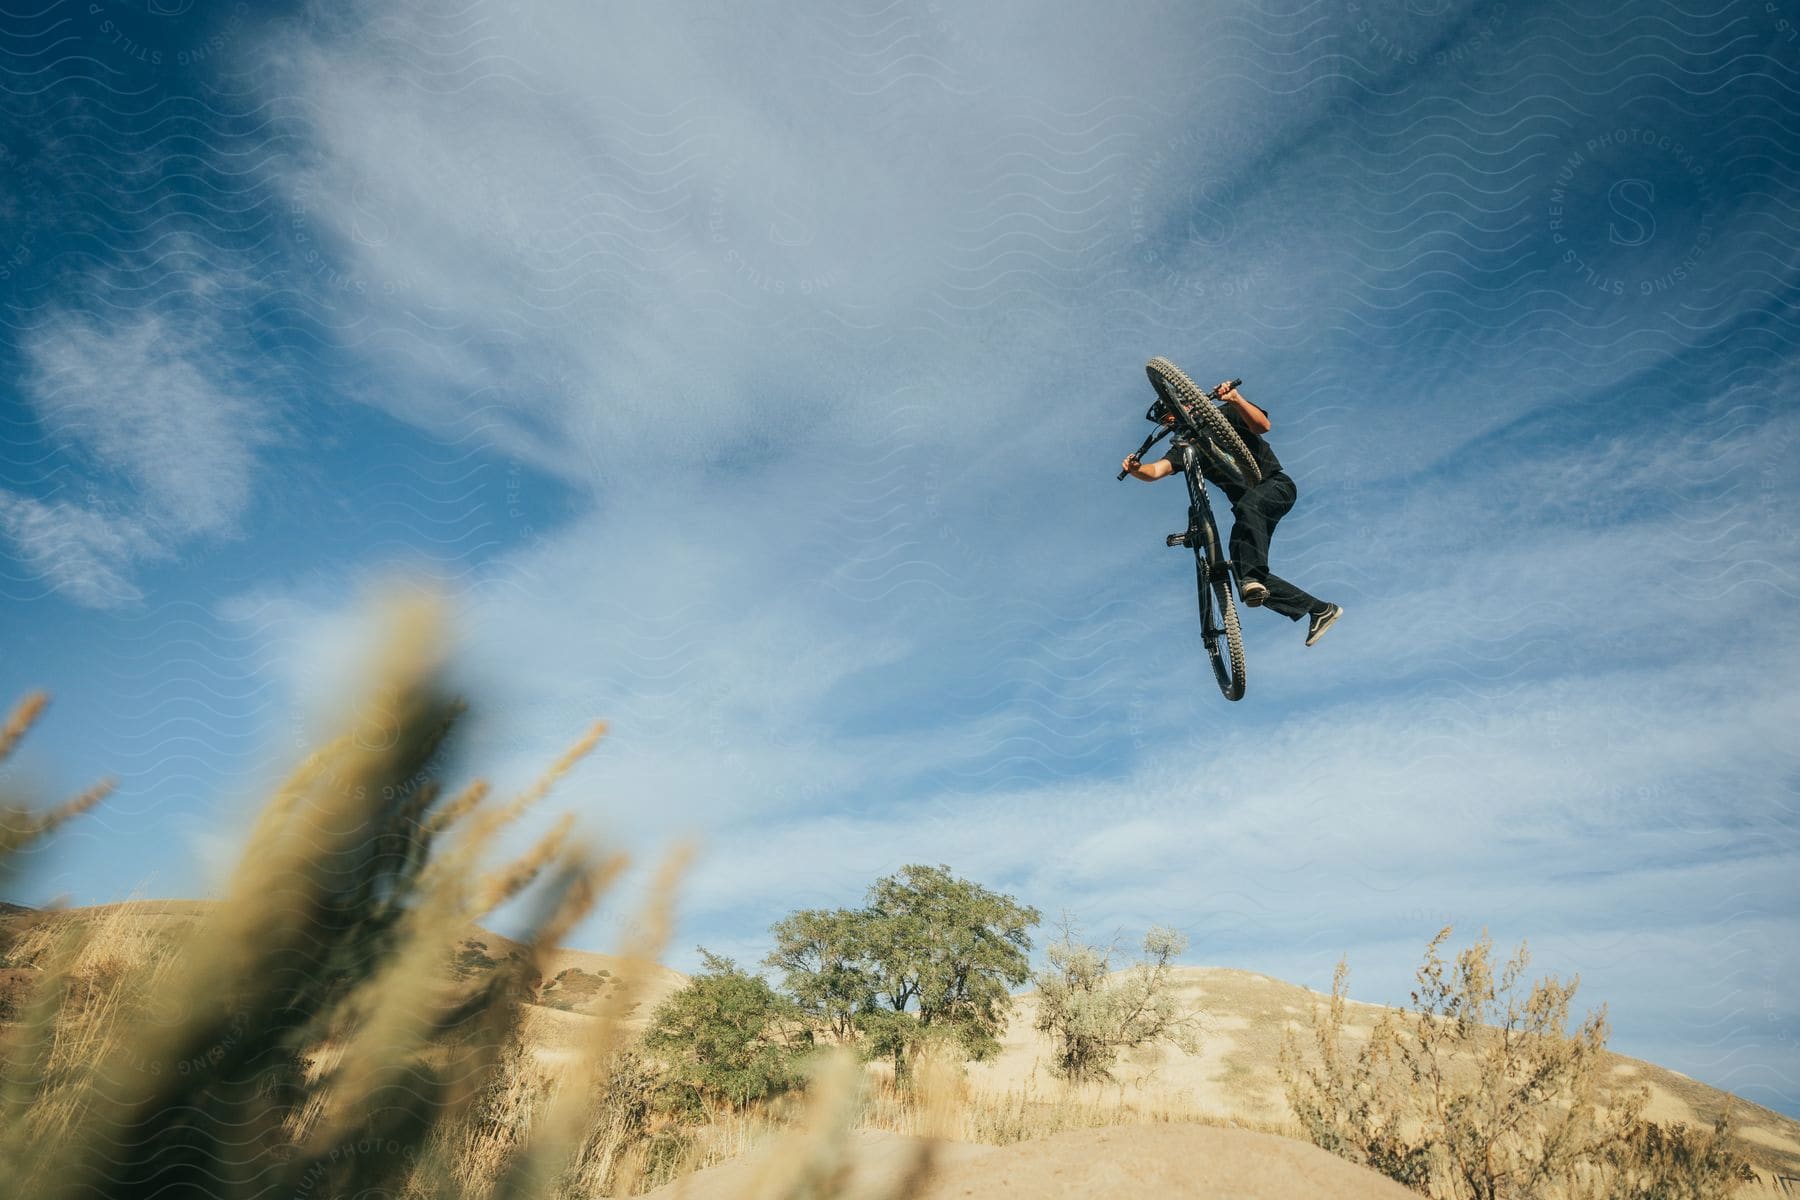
(1253, 593)
(1321, 622)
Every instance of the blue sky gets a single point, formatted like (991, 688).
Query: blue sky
(758, 386)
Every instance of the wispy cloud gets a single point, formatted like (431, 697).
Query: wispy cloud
(147, 399)
(82, 552)
(165, 428)
(734, 227)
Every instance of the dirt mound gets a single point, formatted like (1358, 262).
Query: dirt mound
(1122, 1162)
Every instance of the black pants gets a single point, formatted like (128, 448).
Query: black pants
(1256, 512)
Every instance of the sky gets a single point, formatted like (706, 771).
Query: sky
(755, 379)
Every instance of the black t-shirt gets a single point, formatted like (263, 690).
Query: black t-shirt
(1253, 441)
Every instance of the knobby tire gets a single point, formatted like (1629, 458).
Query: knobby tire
(1210, 570)
(1169, 379)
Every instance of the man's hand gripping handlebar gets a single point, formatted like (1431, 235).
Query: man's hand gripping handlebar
(1150, 441)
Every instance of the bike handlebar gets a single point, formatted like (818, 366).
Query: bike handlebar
(1148, 442)
(1159, 434)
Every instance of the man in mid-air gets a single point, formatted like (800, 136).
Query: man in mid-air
(1255, 511)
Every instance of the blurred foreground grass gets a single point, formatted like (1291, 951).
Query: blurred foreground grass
(308, 1037)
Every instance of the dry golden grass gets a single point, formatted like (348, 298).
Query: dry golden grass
(20, 826)
(952, 1109)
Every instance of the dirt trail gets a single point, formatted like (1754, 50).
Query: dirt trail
(1123, 1162)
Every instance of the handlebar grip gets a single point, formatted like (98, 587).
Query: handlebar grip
(1144, 449)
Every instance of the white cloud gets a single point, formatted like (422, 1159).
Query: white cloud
(151, 401)
(158, 413)
(636, 216)
(84, 553)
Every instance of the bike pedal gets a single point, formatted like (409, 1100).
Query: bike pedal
(1176, 539)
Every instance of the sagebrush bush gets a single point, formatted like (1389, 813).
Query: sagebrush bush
(1479, 1092)
(1093, 1013)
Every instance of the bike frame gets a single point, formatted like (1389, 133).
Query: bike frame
(1213, 559)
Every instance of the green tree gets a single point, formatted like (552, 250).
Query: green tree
(948, 951)
(727, 1038)
(820, 953)
(1094, 1013)
(929, 956)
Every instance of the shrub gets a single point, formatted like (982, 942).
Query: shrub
(627, 1146)
(1093, 1014)
(1672, 1162)
(1480, 1093)
(727, 1038)
(575, 990)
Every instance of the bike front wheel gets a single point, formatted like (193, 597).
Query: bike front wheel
(1235, 461)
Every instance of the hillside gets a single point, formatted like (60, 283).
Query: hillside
(1231, 1078)
(573, 984)
(574, 981)
(1234, 1073)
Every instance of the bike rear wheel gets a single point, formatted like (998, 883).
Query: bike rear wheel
(1171, 382)
(1213, 578)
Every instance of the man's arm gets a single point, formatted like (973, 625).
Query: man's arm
(1148, 472)
(1253, 416)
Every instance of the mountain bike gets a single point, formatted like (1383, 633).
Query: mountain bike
(1211, 449)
